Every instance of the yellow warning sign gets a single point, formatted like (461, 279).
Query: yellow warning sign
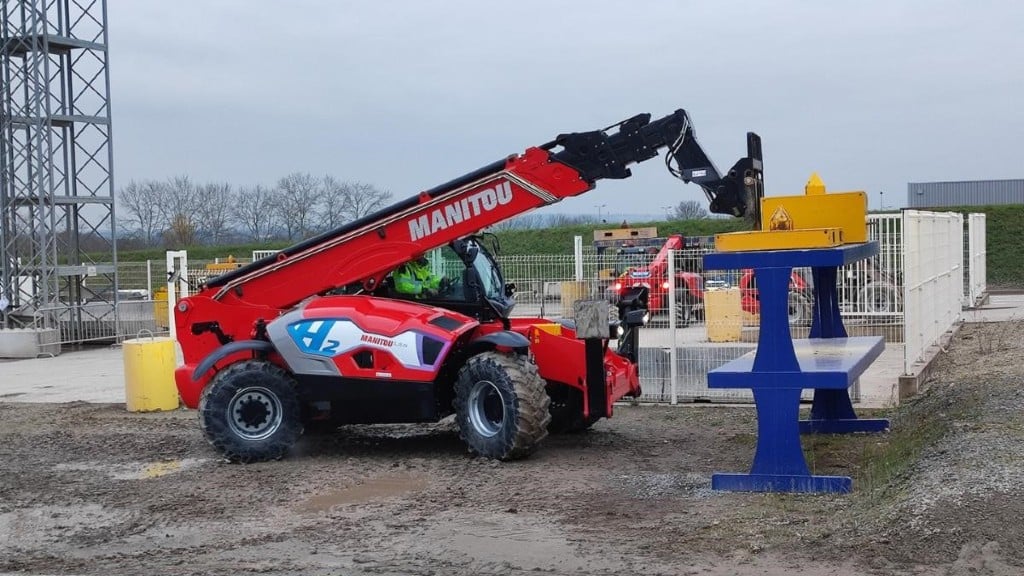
(780, 220)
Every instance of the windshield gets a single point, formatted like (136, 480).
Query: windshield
(632, 259)
(491, 282)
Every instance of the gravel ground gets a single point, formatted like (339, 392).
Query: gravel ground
(91, 489)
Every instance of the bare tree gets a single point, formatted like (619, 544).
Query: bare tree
(334, 203)
(215, 211)
(139, 205)
(182, 231)
(690, 210)
(180, 207)
(363, 199)
(256, 213)
(296, 199)
(524, 222)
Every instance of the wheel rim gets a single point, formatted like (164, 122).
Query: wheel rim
(878, 300)
(254, 413)
(486, 408)
(797, 309)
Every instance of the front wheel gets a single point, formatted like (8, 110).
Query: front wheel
(501, 405)
(250, 412)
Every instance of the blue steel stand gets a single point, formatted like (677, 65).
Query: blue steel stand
(828, 362)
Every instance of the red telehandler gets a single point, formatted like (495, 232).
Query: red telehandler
(317, 334)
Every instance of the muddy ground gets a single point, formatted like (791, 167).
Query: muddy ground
(91, 489)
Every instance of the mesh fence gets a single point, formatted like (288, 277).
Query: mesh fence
(701, 319)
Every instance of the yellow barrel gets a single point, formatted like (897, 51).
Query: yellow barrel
(149, 365)
(571, 292)
(723, 315)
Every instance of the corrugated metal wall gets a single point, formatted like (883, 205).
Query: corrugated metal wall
(969, 193)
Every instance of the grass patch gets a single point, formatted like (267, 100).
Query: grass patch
(886, 461)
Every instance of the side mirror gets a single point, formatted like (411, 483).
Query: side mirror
(636, 317)
(510, 289)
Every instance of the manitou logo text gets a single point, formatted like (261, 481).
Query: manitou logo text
(460, 211)
(371, 339)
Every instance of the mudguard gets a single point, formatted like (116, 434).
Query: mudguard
(505, 338)
(227, 350)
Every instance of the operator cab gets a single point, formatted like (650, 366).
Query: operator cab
(465, 278)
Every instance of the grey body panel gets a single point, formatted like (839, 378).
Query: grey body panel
(298, 361)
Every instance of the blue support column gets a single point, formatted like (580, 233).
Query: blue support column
(832, 410)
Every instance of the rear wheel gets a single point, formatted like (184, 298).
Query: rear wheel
(879, 298)
(685, 314)
(250, 412)
(800, 309)
(501, 406)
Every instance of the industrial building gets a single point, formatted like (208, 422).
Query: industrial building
(965, 193)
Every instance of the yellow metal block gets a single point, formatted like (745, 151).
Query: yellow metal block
(846, 211)
(626, 234)
(723, 315)
(778, 240)
(555, 329)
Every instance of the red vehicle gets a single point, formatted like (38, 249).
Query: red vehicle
(317, 335)
(690, 283)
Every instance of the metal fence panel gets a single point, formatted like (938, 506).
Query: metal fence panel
(976, 282)
(933, 286)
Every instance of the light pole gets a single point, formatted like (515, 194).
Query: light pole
(599, 206)
(881, 200)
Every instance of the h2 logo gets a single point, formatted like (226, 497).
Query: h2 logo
(312, 337)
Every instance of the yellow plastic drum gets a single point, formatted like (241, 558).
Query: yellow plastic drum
(570, 293)
(149, 374)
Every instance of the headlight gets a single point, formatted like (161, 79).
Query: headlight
(617, 286)
(615, 330)
(664, 285)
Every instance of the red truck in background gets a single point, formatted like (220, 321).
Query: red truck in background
(636, 267)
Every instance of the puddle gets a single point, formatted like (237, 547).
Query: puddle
(372, 489)
(134, 470)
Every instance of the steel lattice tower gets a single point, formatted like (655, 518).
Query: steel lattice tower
(57, 233)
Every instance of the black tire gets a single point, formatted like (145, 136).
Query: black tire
(501, 406)
(685, 314)
(879, 298)
(250, 412)
(567, 410)
(799, 309)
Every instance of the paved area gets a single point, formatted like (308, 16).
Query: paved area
(97, 375)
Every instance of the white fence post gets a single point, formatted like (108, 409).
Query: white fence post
(179, 279)
(673, 368)
(577, 251)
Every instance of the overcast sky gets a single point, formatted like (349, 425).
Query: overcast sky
(408, 94)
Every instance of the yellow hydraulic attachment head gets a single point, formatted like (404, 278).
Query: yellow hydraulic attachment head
(811, 220)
